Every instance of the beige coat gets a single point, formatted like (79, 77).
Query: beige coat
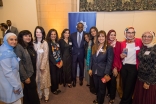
(42, 65)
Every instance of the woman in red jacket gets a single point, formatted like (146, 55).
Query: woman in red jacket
(116, 66)
(130, 49)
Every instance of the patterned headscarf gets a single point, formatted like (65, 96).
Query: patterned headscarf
(111, 42)
(129, 40)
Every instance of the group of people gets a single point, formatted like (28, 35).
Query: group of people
(46, 61)
(7, 27)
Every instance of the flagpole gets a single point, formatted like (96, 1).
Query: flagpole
(78, 3)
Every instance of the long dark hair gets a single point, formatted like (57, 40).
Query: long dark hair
(48, 38)
(42, 31)
(21, 41)
(62, 34)
(95, 47)
(95, 30)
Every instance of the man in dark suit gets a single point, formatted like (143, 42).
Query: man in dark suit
(78, 53)
(4, 28)
(12, 28)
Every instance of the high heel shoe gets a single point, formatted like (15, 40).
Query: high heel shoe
(46, 99)
(95, 102)
(55, 92)
(58, 91)
(111, 102)
(69, 85)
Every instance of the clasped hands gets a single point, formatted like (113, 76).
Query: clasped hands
(146, 86)
(60, 64)
(17, 91)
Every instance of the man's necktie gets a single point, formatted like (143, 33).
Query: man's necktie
(79, 39)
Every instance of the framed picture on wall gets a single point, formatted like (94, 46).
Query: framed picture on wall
(1, 3)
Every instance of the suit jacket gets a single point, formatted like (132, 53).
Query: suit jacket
(103, 62)
(25, 64)
(14, 30)
(76, 49)
(7, 31)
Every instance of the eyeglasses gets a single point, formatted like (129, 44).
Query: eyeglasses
(147, 37)
(130, 32)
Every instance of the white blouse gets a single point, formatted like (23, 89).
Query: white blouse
(131, 54)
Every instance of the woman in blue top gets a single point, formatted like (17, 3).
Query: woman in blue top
(10, 84)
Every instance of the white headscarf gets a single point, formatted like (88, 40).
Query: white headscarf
(153, 39)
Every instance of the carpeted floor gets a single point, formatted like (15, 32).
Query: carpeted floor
(75, 95)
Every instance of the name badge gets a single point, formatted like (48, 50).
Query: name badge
(137, 48)
(70, 43)
(40, 51)
(58, 45)
(18, 59)
(147, 53)
(101, 50)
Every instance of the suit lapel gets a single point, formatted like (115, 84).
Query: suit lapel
(76, 40)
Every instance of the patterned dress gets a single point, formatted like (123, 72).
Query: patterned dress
(146, 74)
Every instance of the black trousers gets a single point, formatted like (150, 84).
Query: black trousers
(111, 87)
(80, 60)
(92, 85)
(54, 72)
(129, 77)
(100, 89)
(30, 92)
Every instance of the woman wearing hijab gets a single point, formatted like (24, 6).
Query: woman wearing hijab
(130, 49)
(10, 84)
(145, 89)
(116, 66)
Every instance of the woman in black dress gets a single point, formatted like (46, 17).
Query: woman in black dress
(65, 47)
(55, 60)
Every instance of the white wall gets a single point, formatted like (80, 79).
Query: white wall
(22, 13)
(140, 20)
